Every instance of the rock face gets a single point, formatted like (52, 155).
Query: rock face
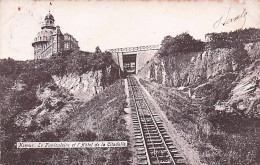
(245, 96)
(194, 68)
(55, 105)
(83, 87)
(58, 99)
(253, 50)
(218, 75)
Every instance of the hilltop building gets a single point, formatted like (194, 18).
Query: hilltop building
(50, 40)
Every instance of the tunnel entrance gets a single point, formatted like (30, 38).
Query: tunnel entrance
(129, 63)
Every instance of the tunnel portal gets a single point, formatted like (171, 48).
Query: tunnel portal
(132, 59)
(129, 63)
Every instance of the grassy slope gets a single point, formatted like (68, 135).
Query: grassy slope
(236, 142)
(103, 116)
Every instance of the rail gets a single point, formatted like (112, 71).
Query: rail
(157, 145)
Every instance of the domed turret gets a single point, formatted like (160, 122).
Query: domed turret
(49, 22)
(49, 16)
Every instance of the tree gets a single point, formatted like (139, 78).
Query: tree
(97, 50)
(183, 43)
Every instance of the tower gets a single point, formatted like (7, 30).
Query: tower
(44, 36)
(48, 22)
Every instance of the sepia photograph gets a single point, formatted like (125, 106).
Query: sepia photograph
(130, 82)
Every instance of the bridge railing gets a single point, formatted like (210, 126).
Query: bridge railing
(135, 49)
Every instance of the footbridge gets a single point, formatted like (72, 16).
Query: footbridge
(132, 59)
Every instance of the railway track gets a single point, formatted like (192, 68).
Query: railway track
(153, 145)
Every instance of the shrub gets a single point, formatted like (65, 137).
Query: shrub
(228, 122)
(217, 141)
(32, 78)
(10, 67)
(62, 132)
(45, 122)
(34, 127)
(49, 137)
(87, 136)
(24, 100)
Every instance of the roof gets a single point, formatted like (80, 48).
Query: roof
(49, 16)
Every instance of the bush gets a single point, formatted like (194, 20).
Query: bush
(45, 122)
(34, 127)
(87, 136)
(217, 141)
(62, 132)
(49, 137)
(32, 78)
(10, 67)
(24, 100)
(228, 122)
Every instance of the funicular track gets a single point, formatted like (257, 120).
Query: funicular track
(152, 143)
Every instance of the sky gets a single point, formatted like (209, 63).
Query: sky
(116, 24)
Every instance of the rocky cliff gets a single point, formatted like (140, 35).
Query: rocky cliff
(83, 87)
(58, 99)
(214, 75)
(245, 96)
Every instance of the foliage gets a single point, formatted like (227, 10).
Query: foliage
(183, 43)
(233, 39)
(39, 71)
(240, 57)
(25, 100)
(31, 78)
(242, 35)
(231, 122)
(97, 50)
(87, 136)
(10, 67)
